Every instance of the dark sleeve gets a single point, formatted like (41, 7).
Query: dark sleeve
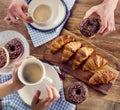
(28, 1)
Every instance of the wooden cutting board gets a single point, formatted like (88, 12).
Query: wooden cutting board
(79, 74)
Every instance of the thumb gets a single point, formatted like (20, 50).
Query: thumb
(36, 98)
(25, 8)
(89, 13)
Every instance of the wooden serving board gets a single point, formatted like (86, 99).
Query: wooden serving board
(55, 59)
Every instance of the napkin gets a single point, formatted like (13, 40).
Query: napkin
(39, 37)
(14, 102)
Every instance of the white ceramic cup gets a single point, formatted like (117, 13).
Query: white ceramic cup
(43, 72)
(52, 15)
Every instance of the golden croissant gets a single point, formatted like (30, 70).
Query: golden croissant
(94, 62)
(81, 55)
(101, 77)
(59, 42)
(69, 50)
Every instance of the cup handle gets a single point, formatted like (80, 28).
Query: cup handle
(48, 79)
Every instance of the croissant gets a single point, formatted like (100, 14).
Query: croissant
(94, 62)
(101, 77)
(69, 50)
(59, 42)
(81, 55)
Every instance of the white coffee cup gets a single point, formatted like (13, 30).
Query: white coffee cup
(31, 78)
(43, 13)
(52, 4)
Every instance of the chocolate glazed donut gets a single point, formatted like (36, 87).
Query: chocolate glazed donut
(4, 57)
(77, 92)
(89, 26)
(15, 48)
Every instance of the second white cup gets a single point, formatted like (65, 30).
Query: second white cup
(32, 72)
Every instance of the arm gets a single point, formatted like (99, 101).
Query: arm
(106, 12)
(12, 85)
(6, 88)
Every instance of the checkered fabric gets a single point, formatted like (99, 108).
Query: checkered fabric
(39, 37)
(14, 102)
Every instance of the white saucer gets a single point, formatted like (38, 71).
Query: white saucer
(60, 15)
(5, 37)
(27, 92)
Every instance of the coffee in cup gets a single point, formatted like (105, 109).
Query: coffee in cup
(43, 14)
(32, 72)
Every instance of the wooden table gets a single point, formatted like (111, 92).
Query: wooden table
(109, 43)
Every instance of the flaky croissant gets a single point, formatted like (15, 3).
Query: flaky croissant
(69, 50)
(94, 62)
(59, 42)
(81, 55)
(102, 76)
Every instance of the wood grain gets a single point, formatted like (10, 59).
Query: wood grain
(108, 43)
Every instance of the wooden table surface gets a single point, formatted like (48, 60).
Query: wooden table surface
(109, 43)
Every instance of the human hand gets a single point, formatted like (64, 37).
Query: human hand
(17, 11)
(42, 104)
(106, 12)
(15, 81)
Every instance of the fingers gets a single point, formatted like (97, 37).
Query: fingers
(107, 26)
(111, 24)
(103, 26)
(49, 91)
(7, 20)
(17, 10)
(89, 12)
(37, 103)
(30, 56)
(53, 95)
(21, 14)
(15, 68)
(25, 8)
(45, 102)
(36, 98)
(13, 18)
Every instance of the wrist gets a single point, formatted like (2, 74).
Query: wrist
(12, 86)
(111, 3)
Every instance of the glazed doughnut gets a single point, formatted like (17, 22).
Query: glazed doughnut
(15, 48)
(4, 57)
(89, 27)
(77, 92)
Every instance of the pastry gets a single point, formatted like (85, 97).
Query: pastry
(89, 26)
(69, 50)
(94, 62)
(4, 57)
(102, 76)
(81, 55)
(15, 48)
(59, 42)
(77, 92)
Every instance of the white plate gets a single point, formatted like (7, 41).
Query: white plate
(5, 37)
(60, 15)
(27, 92)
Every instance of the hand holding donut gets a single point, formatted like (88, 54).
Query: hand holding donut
(106, 12)
(17, 11)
